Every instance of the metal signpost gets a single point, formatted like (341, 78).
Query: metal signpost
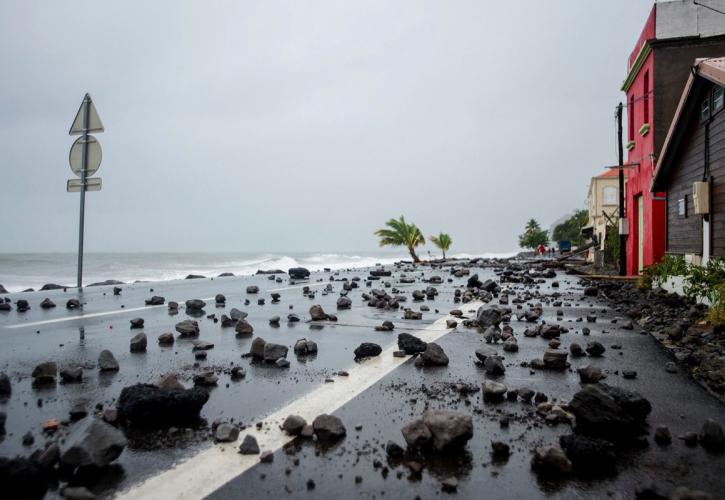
(85, 159)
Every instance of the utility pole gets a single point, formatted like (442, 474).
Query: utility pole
(622, 220)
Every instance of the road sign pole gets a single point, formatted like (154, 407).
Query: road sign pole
(84, 169)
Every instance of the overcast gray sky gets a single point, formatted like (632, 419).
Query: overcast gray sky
(303, 126)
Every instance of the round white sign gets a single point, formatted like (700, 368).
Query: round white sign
(75, 158)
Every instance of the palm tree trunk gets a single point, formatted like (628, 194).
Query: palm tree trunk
(413, 254)
(444, 255)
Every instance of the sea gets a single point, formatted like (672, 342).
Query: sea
(20, 271)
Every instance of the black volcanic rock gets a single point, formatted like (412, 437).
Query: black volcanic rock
(149, 406)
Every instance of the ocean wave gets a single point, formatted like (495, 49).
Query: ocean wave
(21, 271)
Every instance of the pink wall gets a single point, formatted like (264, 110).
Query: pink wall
(640, 175)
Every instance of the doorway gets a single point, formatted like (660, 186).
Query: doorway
(640, 234)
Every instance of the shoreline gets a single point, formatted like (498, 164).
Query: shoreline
(385, 261)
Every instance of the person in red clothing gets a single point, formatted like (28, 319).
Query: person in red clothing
(541, 249)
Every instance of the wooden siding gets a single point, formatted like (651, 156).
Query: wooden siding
(717, 172)
(684, 234)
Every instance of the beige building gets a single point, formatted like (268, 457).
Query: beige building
(603, 201)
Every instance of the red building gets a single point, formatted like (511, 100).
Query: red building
(675, 34)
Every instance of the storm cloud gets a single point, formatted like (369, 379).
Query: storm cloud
(303, 126)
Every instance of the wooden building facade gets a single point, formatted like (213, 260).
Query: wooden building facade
(691, 166)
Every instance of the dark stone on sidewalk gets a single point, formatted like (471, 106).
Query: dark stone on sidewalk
(712, 437)
(73, 304)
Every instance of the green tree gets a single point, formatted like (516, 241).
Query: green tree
(571, 228)
(533, 236)
(442, 241)
(400, 233)
(611, 245)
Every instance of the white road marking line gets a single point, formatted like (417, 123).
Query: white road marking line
(212, 468)
(88, 316)
(295, 287)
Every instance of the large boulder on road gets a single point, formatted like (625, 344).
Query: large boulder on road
(410, 343)
(450, 429)
(93, 442)
(22, 477)
(149, 406)
(488, 316)
(609, 412)
(298, 273)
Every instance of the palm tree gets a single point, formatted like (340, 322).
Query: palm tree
(400, 233)
(442, 241)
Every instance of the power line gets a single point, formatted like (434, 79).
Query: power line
(708, 7)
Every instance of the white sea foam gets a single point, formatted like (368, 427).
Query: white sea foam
(21, 271)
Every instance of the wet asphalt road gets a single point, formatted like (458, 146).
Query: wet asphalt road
(380, 410)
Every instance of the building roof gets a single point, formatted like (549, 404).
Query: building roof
(611, 172)
(713, 70)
